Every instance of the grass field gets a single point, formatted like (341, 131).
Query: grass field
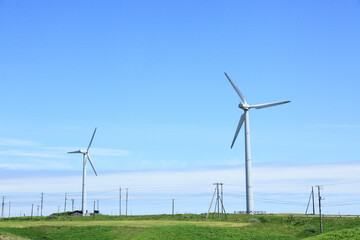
(180, 227)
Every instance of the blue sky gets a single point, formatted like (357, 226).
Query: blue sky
(149, 75)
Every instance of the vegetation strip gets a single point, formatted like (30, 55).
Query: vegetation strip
(189, 226)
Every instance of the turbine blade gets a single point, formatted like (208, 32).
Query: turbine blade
(236, 89)
(91, 140)
(238, 128)
(78, 151)
(265, 105)
(88, 157)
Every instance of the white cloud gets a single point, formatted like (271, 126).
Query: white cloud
(29, 154)
(350, 126)
(16, 142)
(36, 165)
(110, 152)
(265, 178)
(272, 185)
(14, 166)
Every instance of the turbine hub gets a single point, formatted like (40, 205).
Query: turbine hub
(83, 151)
(244, 106)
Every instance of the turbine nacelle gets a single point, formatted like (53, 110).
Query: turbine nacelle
(244, 106)
(84, 152)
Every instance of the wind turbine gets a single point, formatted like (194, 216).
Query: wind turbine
(245, 117)
(86, 157)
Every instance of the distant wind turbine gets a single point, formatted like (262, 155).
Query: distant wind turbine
(86, 157)
(245, 117)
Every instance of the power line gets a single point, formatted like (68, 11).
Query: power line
(270, 200)
(342, 204)
(163, 194)
(340, 183)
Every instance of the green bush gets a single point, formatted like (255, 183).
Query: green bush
(348, 234)
(309, 230)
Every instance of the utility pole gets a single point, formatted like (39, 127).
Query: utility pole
(98, 205)
(222, 198)
(65, 203)
(307, 207)
(211, 204)
(126, 200)
(173, 207)
(219, 200)
(313, 199)
(94, 210)
(32, 210)
(2, 207)
(72, 204)
(321, 229)
(119, 202)
(9, 208)
(313, 202)
(42, 202)
(37, 214)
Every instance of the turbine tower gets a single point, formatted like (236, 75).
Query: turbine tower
(245, 117)
(86, 157)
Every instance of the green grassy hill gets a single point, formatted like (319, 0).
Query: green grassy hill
(348, 234)
(187, 226)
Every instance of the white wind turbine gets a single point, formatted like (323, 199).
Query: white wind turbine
(86, 156)
(245, 117)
